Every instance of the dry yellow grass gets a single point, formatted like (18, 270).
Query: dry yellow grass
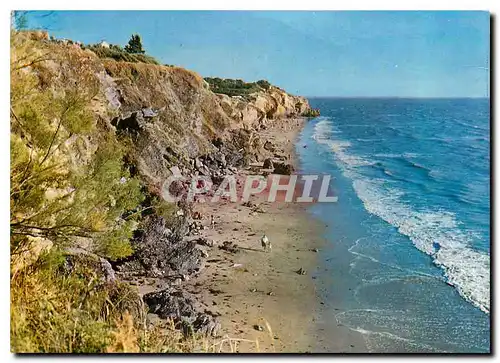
(56, 310)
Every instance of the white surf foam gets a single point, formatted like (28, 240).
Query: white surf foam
(323, 135)
(466, 269)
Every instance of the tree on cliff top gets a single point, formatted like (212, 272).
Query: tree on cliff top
(135, 45)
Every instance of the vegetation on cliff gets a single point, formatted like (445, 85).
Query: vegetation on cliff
(311, 112)
(135, 45)
(132, 52)
(236, 87)
(119, 54)
(65, 188)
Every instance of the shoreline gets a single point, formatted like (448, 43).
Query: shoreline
(262, 303)
(252, 287)
(248, 288)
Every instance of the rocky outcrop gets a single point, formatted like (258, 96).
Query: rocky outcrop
(164, 252)
(283, 168)
(177, 305)
(173, 117)
(261, 107)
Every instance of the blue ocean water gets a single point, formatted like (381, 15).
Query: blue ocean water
(409, 253)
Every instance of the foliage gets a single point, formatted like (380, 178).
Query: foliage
(311, 112)
(61, 187)
(236, 87)
(61, 305)
(119, 54)
(20, 19)
(264, 84)
(134, 45)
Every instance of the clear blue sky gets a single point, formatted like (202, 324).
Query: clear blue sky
(406, 54)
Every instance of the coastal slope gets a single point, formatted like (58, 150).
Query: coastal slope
(95, 122)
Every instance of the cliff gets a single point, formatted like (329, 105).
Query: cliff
(92, 141)
(171, 112)
(176, 117)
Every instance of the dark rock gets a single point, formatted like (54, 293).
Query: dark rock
(268, 145)
(229, 247)
(268, 164)
(162, 250)
(258, 209)
(220, 158)
(130, 123)
(218, 143)
(215, 291)
(283, 169)
(179, 306)
(249, 204)
(206, 324)
(301, 271)
(205, 242)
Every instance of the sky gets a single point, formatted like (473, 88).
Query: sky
(322, 53)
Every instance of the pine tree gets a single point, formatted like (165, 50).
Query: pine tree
(135, 45)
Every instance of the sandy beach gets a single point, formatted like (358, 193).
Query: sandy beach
(261, 300)
(252, 289)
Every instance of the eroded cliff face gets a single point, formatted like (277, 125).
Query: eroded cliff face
(169, 113)
(174, 117)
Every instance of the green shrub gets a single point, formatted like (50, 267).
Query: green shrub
(236, 87)
(61, 305)
(59, 192)
(312, 112)
(119, 54)
(135, 45)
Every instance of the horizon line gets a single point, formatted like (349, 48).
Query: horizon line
(403, 97)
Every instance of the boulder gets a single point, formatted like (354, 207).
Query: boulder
(268, 145)
(229, 247)
(162, 251)
(283, 169)
(268, 164)
(177, 305)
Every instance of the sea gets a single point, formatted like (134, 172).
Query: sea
(407, 260)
